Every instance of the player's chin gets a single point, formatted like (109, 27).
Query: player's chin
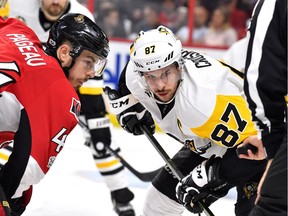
(78, 84)
(76, 87)
(164, 97)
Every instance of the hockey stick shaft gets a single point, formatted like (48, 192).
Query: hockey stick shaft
(143, 176)
(171, 164)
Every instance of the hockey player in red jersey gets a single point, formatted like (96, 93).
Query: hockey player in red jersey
(199, 101)
(40, 15)
(38, 103)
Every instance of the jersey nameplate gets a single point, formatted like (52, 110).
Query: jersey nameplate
(27, 49)
(196, 58)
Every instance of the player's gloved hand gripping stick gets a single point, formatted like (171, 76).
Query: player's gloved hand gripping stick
(171, 165)
(129, 112)
(133, 118)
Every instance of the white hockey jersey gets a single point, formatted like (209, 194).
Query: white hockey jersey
(209, 113)
(235, 56)
(26, 11)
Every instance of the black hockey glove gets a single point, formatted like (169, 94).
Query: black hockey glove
(99, 137)
(4, 204)
(18, 205)
(202, 184)
(129, 112)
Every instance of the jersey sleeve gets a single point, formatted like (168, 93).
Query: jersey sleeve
(230, 122)
(91, 97)
(44, 126)
(52, 117)
(218, 110)
(94, 110)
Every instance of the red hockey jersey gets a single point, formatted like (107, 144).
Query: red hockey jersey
(38, 106)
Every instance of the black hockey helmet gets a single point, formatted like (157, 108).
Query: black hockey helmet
(81, 32)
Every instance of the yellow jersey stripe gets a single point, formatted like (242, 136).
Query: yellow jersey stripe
(90, 91)
(4, 156)
(223, 125)
(107, 164)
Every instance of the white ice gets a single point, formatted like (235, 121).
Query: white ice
(74, 187)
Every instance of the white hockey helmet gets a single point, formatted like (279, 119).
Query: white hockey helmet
(155, 49)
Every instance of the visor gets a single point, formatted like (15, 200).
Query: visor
(99, 67)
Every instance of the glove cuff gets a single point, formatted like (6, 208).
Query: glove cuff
(119, 105)
(199, 174)
(97, 123)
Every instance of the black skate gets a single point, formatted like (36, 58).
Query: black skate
(120, 200)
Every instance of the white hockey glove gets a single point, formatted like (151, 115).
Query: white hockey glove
(202, 184)
(129, 112)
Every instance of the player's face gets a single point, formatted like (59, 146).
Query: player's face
(163, 82)
(54, 8)
(83, 69)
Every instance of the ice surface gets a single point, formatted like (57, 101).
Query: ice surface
(74, 187)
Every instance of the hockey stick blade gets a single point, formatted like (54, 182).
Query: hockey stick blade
(143, 176)
(171, 164)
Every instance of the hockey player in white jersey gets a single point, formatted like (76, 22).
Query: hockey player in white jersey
(198, 101)
(40, 15)
(235, 55)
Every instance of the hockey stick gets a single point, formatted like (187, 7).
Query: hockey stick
(171, 164)
(143, 176)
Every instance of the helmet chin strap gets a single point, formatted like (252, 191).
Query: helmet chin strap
(67, 69)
